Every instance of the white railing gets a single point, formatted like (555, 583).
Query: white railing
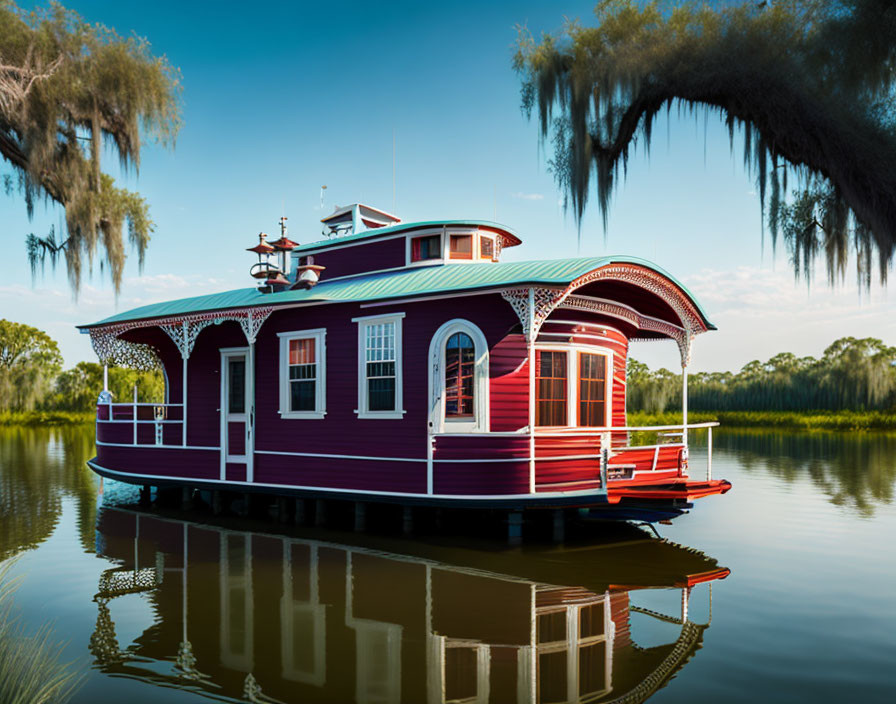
(605, 436)
(130, 414)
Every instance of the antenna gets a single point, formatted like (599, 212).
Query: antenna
(495, 199)
(322, 189)
(393, 169)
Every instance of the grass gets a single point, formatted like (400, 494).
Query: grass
(779, 420)
(44, 418)
(30, 669)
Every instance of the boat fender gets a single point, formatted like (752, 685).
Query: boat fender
(682, 460)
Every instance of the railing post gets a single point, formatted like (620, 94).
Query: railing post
(135, 414)
(605, 441)
(709, 454)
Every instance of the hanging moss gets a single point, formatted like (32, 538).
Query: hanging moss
(807, 83)
(66, 88)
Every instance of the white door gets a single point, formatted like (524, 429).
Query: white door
(236, 414)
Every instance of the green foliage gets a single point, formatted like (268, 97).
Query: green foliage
(77, 388)
(30, 668)
(31, 377)
(809, 83)
(29, 361)
(852, 375)
(67, 87)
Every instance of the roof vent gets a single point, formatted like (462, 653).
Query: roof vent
(355, 218)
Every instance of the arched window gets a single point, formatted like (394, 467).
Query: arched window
(458, 382)
(460, 359)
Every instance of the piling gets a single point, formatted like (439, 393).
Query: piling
(299, 517)
(217, 503)
(360, 516)
(559, 528)
(282, 510)
(186, 498)
(515, 527)
(320, 512)
(407, 520)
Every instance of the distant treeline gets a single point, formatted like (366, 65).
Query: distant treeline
(32, 378)
(852, 374)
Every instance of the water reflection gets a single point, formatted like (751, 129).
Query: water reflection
(856, 470)
(38, 468)
(262, 617)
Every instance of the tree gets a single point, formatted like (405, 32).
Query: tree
(29, 362)
(67, 88)
(77, 388)
(809, 82)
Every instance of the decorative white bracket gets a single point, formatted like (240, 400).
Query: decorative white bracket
(534, 304)
(183, 331)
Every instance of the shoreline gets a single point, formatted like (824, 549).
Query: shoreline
(781, 420)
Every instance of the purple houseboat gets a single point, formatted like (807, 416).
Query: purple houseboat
(406, 362)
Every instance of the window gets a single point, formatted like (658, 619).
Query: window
(461, 247)
(303, 374)
(486, 247)
(592, 389)
(379, 367)
(550, 387)
(459, 368)
(423, 248)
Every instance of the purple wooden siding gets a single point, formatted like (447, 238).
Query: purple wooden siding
(373, 256)
(235, 472)
(481, 478)
(162, 461)
(341, 432)
(236, 438)
(363, 475)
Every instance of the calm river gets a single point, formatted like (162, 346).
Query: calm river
(152, 607)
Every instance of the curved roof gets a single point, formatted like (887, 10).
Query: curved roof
(401, 283)
(512, 237)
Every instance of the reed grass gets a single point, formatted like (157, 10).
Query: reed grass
(45, 418)
(778, 420)
(30, 668)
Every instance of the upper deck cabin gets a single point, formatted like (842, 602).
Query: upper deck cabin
(361, 239)
(406, 361)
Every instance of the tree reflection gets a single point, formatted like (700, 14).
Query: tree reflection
(856, 470)
(39, 467)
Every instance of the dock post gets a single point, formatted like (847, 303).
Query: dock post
(320, 512)
(559, 532)
(407, 520)
(186, 498)
(247, 505)
(145, 495)
(282, 511)
(515, 527)
(217, 502)
(438, 519)
(300, 516)
(360, 516)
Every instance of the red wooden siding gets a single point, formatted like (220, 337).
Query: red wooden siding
(509, 384)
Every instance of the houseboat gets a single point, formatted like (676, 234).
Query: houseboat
(407, 362)
(260, 617)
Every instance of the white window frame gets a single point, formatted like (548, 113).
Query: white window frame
(409, 248)
(437, 354)
(319, 335)
(364, 322)
(572, 383)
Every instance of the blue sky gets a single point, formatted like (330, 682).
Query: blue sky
(281, 98)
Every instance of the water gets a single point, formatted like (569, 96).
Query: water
(154, 608)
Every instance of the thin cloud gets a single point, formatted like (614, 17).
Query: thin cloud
(527, 196)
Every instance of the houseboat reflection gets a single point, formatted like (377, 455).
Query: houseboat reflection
(257, 617)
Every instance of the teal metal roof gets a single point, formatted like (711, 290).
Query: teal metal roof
(402, 283)
(400, 227)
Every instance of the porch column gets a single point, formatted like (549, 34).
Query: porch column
(684, 403)
(684, 346)
(530, 342)
(185, 356)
